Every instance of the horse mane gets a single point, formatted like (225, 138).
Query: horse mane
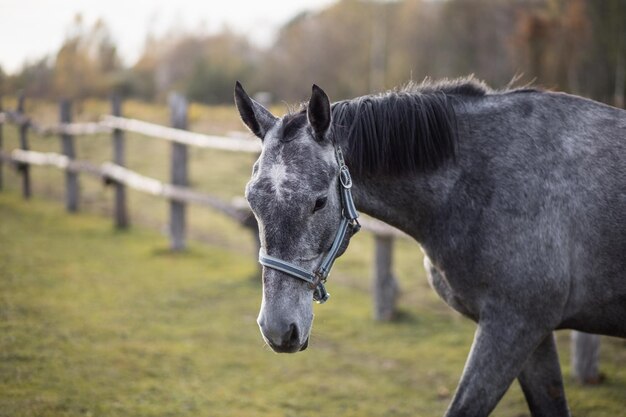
(397, 132)
(403, 131)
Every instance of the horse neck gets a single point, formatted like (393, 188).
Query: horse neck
(412, 204)
(410, 195)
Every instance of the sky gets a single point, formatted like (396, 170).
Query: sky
(29, 29)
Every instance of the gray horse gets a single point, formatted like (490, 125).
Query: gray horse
(518, 199)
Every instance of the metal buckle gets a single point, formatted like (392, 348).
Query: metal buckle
(355, 225)
(344, 177)
(319, 278)
(339, 155)
(320, 295)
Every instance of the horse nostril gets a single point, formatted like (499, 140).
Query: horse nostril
(291, 336)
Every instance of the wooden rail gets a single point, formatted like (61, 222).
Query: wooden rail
(113, 173)
(183, 137)
(89, 128)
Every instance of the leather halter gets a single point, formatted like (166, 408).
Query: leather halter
(317, 278)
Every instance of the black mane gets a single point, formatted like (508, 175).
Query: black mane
(410, 130)
(404, 131)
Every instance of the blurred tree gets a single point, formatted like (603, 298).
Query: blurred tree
(355, 46)
(331, 48)
(204, 67)
(575, 45)
(140, 80)
(532, 42)
(553, 43)
(414, 39)
(422, 38)
(609, 53)
(174, 64)
(475, 38)
(72, 65)
(35, 78)
(87, 61)
(225, 58)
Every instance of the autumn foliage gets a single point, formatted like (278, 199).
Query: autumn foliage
(355, 47)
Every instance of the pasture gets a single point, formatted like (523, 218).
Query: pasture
(104, 323)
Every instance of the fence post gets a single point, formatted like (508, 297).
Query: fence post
(120, 209)
(386, 288)
(178, 210)
(68, 149)
(585, 350)
(23, 134)
(1, 145)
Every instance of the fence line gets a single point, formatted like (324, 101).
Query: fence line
(112, 173)
(115, 174)
(111, 124)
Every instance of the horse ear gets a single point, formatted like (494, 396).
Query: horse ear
(318, 112)
(258, 119)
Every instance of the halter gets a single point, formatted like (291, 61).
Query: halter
(317, 278)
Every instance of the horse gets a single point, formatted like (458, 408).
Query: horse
(517, 198)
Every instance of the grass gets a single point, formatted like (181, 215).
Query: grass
(95, 322)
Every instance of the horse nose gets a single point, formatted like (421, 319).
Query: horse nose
(281, 337)
(291, 336)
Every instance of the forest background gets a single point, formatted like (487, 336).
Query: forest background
(351, 48)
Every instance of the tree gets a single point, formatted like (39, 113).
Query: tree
(330, 48)
(35, 78)
(609, 52)
(225, 58)
(86, 62)
(204, 67)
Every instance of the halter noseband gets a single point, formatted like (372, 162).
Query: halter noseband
(317, 278)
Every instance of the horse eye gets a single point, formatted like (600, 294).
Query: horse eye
(319, 204)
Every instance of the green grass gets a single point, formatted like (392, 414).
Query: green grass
(95, 322)
(104, 323)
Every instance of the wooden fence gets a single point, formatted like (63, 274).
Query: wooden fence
(177, 191)
(585, 347)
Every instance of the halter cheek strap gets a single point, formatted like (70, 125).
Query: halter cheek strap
(317, 278)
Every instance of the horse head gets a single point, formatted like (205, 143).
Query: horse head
(295, 194)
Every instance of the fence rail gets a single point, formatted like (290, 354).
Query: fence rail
(183, 137)
(113, 173)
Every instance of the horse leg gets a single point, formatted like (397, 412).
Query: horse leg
(542, 382)
(501, 346)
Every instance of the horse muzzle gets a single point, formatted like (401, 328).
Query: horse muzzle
(283, 338)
